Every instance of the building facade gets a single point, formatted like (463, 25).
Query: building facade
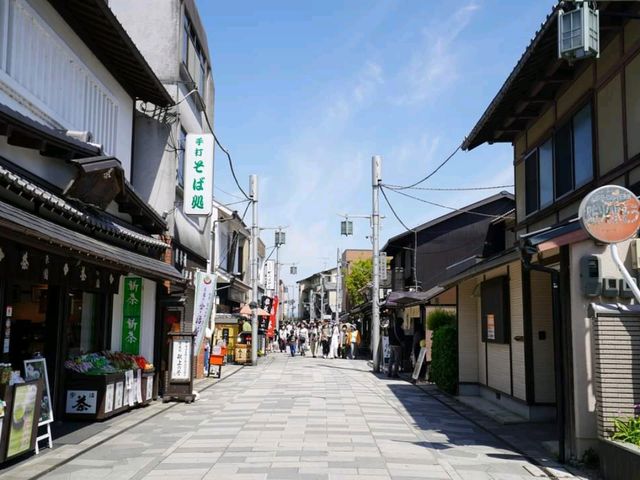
(525, 334)
(75, 233)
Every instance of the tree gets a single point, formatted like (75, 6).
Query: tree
(359, 277)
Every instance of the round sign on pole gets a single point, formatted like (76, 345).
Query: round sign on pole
(610, 214)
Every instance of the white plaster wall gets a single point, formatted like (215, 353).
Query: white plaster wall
(10, 97)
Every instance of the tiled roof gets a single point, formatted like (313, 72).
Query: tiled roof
(94, 220)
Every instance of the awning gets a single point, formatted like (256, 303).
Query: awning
(554, 237)
(16, 221)
(407, 299)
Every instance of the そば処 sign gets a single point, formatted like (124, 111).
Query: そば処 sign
(198, 174)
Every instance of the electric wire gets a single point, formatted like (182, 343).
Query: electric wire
(435, 204)
(446, 189)
(386, 199)
(424, 179)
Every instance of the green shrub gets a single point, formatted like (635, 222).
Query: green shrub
(444, 358)
(627, 430)
(439, 318)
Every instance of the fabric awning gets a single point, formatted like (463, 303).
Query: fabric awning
(15, 220)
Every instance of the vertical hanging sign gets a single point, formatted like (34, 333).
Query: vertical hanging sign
(131, 315)
(198, 174)
(205, 292)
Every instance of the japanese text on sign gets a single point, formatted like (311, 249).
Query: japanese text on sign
(205, 292)
(198, 171)
(131, 315)
(181, 359)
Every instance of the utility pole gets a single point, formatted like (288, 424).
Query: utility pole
(376, 167)
(277, 281)
(321, 297)
(253, 193)
(339, 287)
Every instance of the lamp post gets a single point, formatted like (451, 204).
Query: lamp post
(253, 193)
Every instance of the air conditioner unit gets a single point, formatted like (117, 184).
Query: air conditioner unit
(579, 32)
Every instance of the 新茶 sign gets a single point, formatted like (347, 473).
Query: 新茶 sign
(131, 315)
(198, 174)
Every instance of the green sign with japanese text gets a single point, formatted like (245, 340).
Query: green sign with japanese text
(131, 315)
(198, 173)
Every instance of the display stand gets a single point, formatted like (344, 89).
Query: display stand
(19, 429)
(179, 376)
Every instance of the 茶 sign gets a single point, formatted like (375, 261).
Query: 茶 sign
(610, 214)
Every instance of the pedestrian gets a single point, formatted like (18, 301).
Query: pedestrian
(282, 339)
(355, 342)
(335, 342)
(313, 339)
(304, 334)
(291, 340)
(344, 342)
(396, 340)
(325, 335)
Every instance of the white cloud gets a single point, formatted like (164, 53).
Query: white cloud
(434, 65)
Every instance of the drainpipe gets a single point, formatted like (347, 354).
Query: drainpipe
(526, 251)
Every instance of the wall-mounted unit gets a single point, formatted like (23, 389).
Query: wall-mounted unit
(610, 287)
(590, 279)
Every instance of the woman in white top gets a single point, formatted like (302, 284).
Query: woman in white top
(335, 342)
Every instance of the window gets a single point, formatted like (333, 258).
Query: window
(84, 323)
(181, 143)
(193, 56)
(561, 164)
(496, 319)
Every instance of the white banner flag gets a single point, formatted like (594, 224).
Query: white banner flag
(205, 294)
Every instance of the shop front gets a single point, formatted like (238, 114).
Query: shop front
(65, 325)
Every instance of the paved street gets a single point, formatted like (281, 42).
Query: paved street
(302, 418)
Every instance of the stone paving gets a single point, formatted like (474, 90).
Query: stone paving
(303, 418)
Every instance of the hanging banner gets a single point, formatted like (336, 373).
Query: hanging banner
(269, 274)
(272, 317)
(131, 315)
(198, 174)
(205, 293)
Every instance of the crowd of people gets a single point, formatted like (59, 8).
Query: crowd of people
(319, 339)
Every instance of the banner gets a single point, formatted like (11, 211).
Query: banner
(198, 174)
(269, 275)
(272, 317)
(131, 315)
(203, 305)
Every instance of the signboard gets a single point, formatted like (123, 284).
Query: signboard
(24, 418)
(181, 359)
(205, 293)
(108, 398)
(81, 401)
(149, 392)
(269, 275)
(610, 214)
(117, 403)
(33, 370)
(386, 350)
(383, 266)
(419, 362)
(131, 315)
(198, 174)
(491, 327)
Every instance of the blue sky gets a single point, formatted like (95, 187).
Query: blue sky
(307, 91)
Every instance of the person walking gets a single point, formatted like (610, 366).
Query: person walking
(282, 339)
(291, 340)
(304, 335)
(355, 342)
(325, 334)
(396, 340)
(313, 339)
(335, 342)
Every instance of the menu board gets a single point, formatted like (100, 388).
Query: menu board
(33, 370)
(23, 415)
(181, 359)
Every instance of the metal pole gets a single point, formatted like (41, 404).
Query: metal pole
(339, 287)
(376, 162)
(277, 282)
(253, 193)
(623, 270)
(321, 297)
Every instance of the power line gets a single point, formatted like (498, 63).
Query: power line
(433, 172)
(386, 199)
(446, 189)
(233, 172)
(229, 193)
(461, 210)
